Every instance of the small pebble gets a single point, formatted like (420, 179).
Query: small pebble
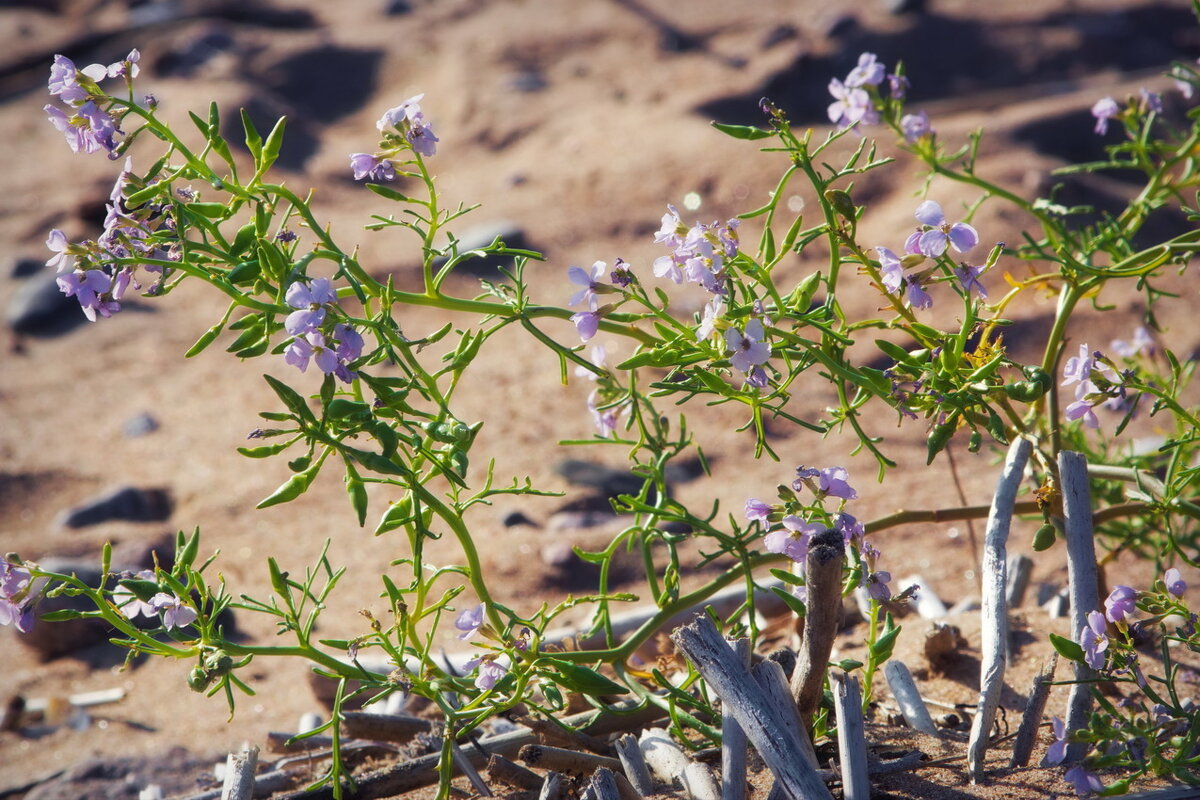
(126, 503)
(140, 425)
(514, 518)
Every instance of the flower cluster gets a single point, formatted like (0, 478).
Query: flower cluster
(175, 613)
(856, 100)
(15, 606)
(332, 347)
(86, 126)
(1083, 371)
(403, 128)
(931, 239)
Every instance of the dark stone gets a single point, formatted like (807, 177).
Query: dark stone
(39, 308)
(327, 82)
(127, 503)
(140, 425)
(189, 56)
(779, 34)
(529, 80)
(396, 8)
(904, 6)
(25, 266)
(607, 481)
(514, 518)
(481, 236)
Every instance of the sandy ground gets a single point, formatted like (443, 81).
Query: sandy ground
(579, 126)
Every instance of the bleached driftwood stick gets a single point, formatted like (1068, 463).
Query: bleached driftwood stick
(635, 765)
(852, 740)
(780, 749)
(464, 764)
(551, 787)
(604, 785)
(1031, 720)
(994, 632)
(1083, 581)
(773, 680)
(556, 758)
(904, 689)
(733, 742)
(383, 727)
(510, 772)
(823, 579)
(671, 764)
(239, 774)
(1020, 567)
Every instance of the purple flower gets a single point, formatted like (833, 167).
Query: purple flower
(933, 242)
(1079, 368)
(14, 596)
(1093, 640)
(377, 169)
(588, 280)
(308, 300)
(350, 343)
(1058, 749)
(421, 137)
(1105, 109)
(749, 348)
(898, 85)
(891, 271)
(621, 275)
(877, 585)
(129, 604)
(832, 482)
(407, 120)
(792, 541)
(968, 276)
(58, 244)
(469, 621)
(713, 310)
(757, 510)
(1120, 603)
(605, 419)
(598, 357)
(1142, 341)
(669, 266)
(1151, 101)
(1174, 582)
(87, 287)
(850, 105)
(1084, 782)
(868, 72)
(88, 130)
(395, 118)
(587, 322)
(672, 230)
(1085, 401)
(490, 672)
(849, 527)
(914, 126)
(174, 613)
(917, 296)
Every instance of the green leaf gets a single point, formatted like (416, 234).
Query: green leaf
(882, 649)
(65, 615)
(142, 589)
(787, 577)
(208, 210)
(848, 664)
(390, 193)
(791, 601)
(205, 340)
(743, 131)
(253, 140)
(290, 398)
(266, 450)
(243, 239)
(1066, 648)
(584, 680)
(270, 149)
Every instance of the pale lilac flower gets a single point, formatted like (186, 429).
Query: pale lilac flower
(713, 310)
(1058, 749)
(914, 126)
(850, 528)
(757, 510)
(727, 235)
(917, 296)
(350, 343)
(833, 482)
(1085, 402)
(1093, 640)
(757, 377)
(672, 230)
(58, 244)
(587, 322)
(590, 281)
(598, 358)
(933, 242)
(1151, 101)
(792, 541)
(128, 602)
(421, 137)
(86, 287)
(877, 585)
(308, 300)
(175, 614)
(490, 672)
(88, 130)
(16, 614)
(407, 120)
(804, 478)
(301, 349)
(396, 117)
(898, 85)
(1084, 782)
(749, 348)
(850, 105)
(15, 606)
(891, 271)
(1174, 582)
(369, 166)
(1120, 603)
(868, 72)
(129, 66)
(605, 419)
(968, 276)
(1079, 368)
(1142, 341)
(469, 621)
(1105, 109)
(64, 83)
(669, 266)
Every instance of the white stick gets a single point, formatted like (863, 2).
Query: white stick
(1031, 720)
(1020, 566)
(239, 774)
(733, 742)
(994, 633)
(852, 741)
(1083, 580)
(635, 765)
(670, 763)
(904, 689)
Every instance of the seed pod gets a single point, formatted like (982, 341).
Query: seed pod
(1044, 538)
(939, 437)
(842, 204)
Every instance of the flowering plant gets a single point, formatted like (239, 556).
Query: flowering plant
(385, 413)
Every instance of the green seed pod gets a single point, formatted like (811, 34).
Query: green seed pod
(198, 679)
(217, 662)
(1044, 538)
(939, 437)
(842, 204)
(974, 442)
(459, 463)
